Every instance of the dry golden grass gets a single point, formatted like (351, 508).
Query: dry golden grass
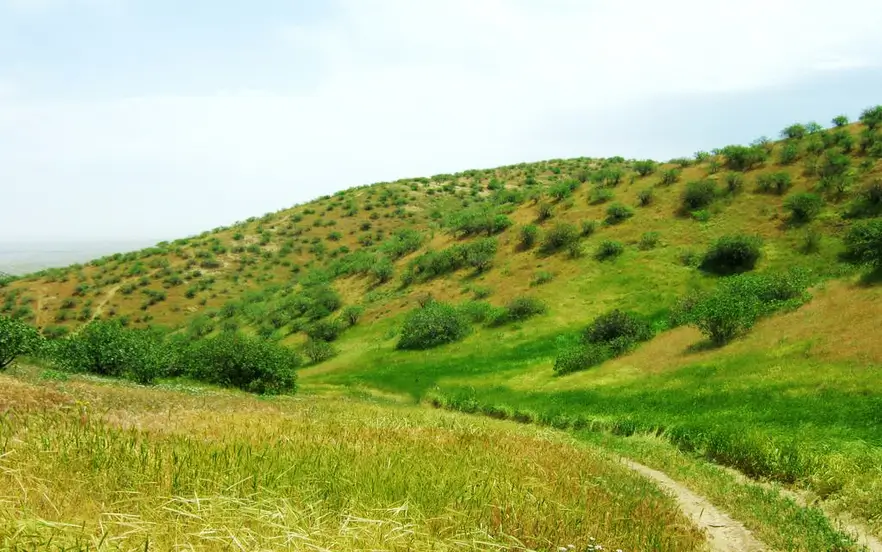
(90, 465)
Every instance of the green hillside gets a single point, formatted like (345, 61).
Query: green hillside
(720, 309)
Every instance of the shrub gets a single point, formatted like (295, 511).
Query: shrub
(16, 339)
(352, 314)
(863, 242)
(732, 255)
(477, 311)
(804, 207)
(560, 237)
(401, 243)
(324, 330)
(529, 234)
(872, 117)
(724, 316)
(617, 213)
(480, 254)
(645, 197)
(518, 309)
(580, 357)
(699, 194)
(609, 249)
(670, 176)
(433, 325)
(248, 363)
(588, 227)
(618, 330)
(868, 202)
(649, 240)
(775, 183)
(811, 242)
(794, 132)
(840, 121)
(545, 212)
(789, 153)
(734, 182)
(318, 351)
(742, 158)
(600, 195)
(541, 277)
(382, 270)
(645, 167)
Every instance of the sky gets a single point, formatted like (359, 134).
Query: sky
(158, 119)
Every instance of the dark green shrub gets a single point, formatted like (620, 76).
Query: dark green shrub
(789, 153)
(244, 362)
(732, 255)
(794, 132)
(325, 330)
(804, 207)
(773, 183)
(743, 158)
(433, 325)
(863, 242)
(318, 351)
(477, 311)
(352, 314)
(840, 121)
(561, 236)
(868, 202)
(529, 234)
(609, 249)
(16, 339)
(545, 212)
(382, 270)
(670, 176)
(618, 330)
(645, 197)
(401, 243)
(480, 254)
(645, 167)
(811, 242)
(872, 117)
(724, 316)
(617, 213)
(516, 310)
(734, 182)
(580, 357)
(699, 194)
(588, 227)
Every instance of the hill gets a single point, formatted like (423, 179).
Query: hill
(712, 300)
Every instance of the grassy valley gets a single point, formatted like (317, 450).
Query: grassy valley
(710, 312)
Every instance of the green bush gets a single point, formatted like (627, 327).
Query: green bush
(244, 362)
(618, 330)
(609, 249)
(724, 316)
(840, 121)
(789, 153)
(699, 194)
(774, 183)
(16, 339)
(670, 176)
(732, 255)
(588, 227)
(352, 314)
(794, 132)
(325, 330)
(529, 234)
(804, 207)
(872, 117)
(433, 325)
(645, 167)
(743, 158)
(477, 311)
(560, 237)
(545, 212)
(318, 351)
(734, 182)
(382, 270)
(517, 310)
(541, 277)
(600, 195)
(649, 240)
(863, 242)
(617, 213)
(645, 197)
(580, 357)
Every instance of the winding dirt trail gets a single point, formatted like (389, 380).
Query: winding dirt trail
(724, 533)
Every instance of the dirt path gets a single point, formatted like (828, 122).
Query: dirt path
(724, 533)
(100, 307)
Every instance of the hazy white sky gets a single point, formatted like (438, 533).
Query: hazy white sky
(159, 118)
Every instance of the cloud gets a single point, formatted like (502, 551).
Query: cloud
(404, 89)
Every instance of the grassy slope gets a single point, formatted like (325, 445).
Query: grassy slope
(798, 400)
(83, 462)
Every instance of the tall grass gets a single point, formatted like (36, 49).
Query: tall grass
(104, 466)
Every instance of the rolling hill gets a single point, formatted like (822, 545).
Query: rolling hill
(531, 260)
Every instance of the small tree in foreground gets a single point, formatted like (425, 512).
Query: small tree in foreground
(863, 243)
(724, 316)
(16, 339)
